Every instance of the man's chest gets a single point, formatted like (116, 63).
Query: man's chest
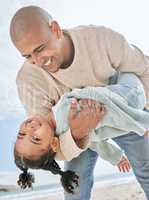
(93, 71)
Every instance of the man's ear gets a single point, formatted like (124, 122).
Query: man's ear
(55, 28)
(55, 144)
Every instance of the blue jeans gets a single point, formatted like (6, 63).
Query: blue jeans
(135, 147)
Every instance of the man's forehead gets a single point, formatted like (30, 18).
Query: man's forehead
(26, 19)
(30, 42)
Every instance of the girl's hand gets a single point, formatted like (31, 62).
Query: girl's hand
(124, 165)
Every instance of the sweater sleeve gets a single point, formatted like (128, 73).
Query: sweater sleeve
(107, 151)
(127, 58)
(36, 95)
(68, 147)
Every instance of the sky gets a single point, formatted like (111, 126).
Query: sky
(127, 17)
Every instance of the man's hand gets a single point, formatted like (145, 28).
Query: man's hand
(124, 165)
(82, 122)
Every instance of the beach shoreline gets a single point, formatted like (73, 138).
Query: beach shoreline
(123, 191)
(128, 189)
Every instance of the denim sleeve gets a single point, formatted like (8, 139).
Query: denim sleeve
(129, 86)
(107, 151)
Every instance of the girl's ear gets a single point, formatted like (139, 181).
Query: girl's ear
(55, 144)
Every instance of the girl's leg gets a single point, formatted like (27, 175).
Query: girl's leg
(129, 86)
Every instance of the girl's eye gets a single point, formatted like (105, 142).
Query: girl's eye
(21, 134)
(28, 121)
(36, 138)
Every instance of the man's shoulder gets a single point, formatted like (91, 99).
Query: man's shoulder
(89, 30)
(29, 71)
(88, 27)
(23, 71)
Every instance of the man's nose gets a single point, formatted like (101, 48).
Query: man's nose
(37, 60)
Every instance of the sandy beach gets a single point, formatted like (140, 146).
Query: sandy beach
(127, 191)
(108, 185)
(123, 191)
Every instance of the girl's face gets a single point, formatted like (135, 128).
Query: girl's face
(35, 138)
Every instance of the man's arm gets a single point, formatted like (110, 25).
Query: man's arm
(82, 142)
(81, 123)
(36, 95)
(126, 58)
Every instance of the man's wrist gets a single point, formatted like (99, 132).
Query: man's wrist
(79, 134)
(81, 141)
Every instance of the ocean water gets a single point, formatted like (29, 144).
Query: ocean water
(8, 129)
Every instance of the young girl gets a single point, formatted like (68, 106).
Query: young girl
(37, 145)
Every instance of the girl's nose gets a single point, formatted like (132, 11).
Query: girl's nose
(32, 126)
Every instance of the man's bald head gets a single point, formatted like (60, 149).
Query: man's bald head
(28, 19)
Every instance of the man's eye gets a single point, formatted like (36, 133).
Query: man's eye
(40, 49)
(28, 57)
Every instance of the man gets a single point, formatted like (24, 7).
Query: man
(58, 61)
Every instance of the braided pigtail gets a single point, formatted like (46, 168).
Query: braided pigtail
(25, 179)
(68, 178)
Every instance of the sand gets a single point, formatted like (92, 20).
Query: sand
(8, 188)
(126, 191)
